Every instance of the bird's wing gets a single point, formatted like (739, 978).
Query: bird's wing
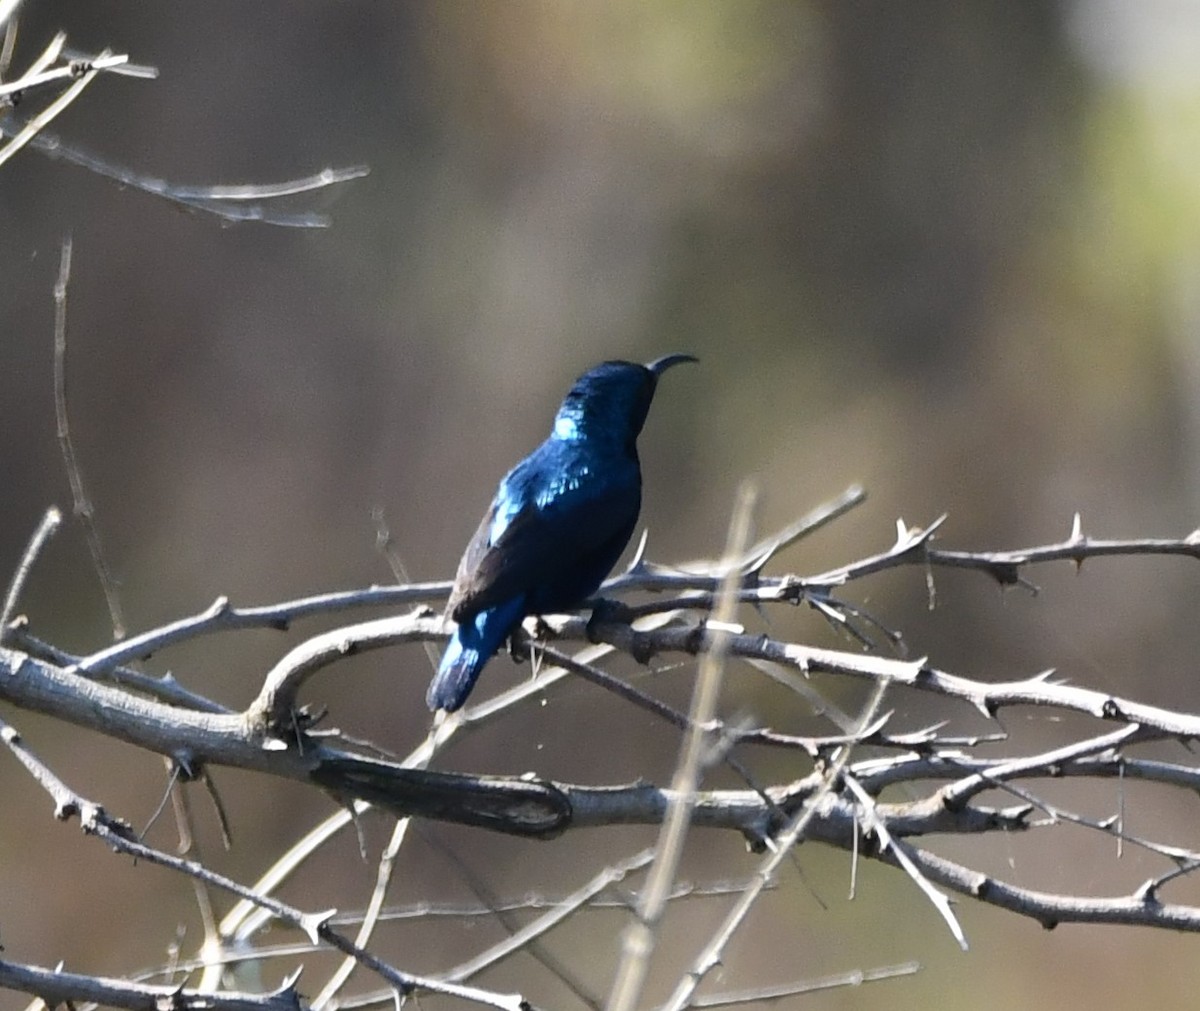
(518, 549)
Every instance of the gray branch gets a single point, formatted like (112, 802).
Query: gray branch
(56, 987)
(274, 736)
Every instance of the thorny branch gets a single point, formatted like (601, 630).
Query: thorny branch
(267, 736)
(96, 821)
(695, 588)
(836, 803)
(56, 987)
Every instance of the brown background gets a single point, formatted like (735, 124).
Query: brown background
(946, 250)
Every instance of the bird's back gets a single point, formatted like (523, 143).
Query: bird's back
(558, 523)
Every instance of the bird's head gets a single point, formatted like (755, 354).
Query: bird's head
(612, 399)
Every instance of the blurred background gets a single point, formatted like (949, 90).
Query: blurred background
(950, 251)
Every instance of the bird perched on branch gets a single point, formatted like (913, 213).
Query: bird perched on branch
(558, 523)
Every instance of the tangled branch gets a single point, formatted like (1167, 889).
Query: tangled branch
(273, 735)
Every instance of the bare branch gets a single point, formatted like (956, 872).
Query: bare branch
(563, 910)
(96, 822)
(1005, 566)
(69, 72)
(769, 993)
(780, 847)
(46, 529)
(1142, 909)
(639, 938)
(163, 687)
(239, 202)
(829, 804)
(56, 987)
(873, 823)
(366, 928)
(243, 202)
(83, 504)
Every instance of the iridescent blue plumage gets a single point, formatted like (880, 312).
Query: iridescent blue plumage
(558, 523)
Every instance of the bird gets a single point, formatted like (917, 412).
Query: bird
(557, 525)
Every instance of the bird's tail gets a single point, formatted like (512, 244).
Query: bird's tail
(470, 647)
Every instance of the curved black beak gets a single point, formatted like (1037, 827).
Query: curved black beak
(660, 365)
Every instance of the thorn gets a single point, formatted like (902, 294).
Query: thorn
(289, 983)
(1077, 537)
(875, 728)
(359, 831)
(313, 923)
(920, 736)
(185, 762)
(1148, 892)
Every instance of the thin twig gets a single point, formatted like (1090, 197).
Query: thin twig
(96, 822)
(69, 72)
(638, 939)
(221, 616)
(780, 850)
(383, 879)
(1139, 909)
(29, 130)
(964, 789)
(240, 203)
(877, 827)
(45, 530)
(761, 995)
(570, 905)
(83, 505)
(386, 546)
(9, 45)
(524, 937)
(910, 548)
(246, 917)
(1185, 860)
(164, 688)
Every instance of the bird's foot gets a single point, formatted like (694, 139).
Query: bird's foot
(526, 637)
(518, 646)
(607, 612)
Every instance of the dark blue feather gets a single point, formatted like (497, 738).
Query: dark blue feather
(469, 648)
(557, 525)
